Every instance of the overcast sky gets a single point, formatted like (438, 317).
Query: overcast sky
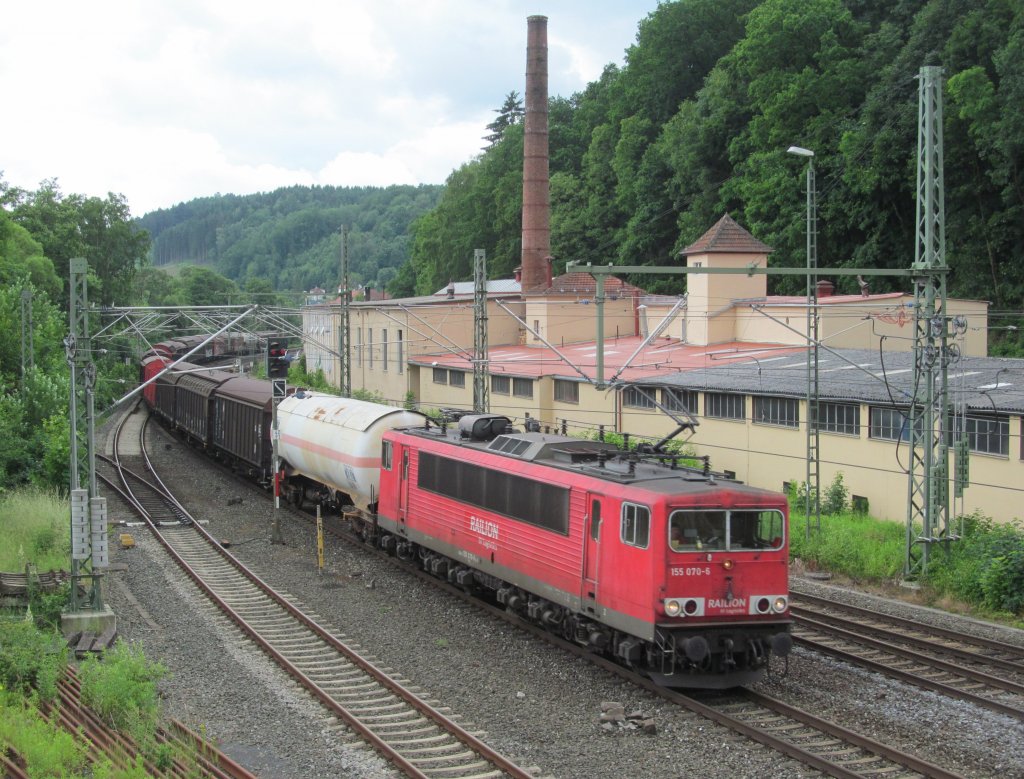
(167, 100)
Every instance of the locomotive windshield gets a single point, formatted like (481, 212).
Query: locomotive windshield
(710, 530)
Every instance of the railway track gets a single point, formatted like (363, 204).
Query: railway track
(418, 738)
(814, 741)
(985, 673)
(811, 740)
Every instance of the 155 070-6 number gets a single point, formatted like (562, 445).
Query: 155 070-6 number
(690, 571)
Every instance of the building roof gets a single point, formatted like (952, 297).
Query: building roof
(661, 358)
(860, 375)
(852, 375)
(582, 284)
(833, 300)
(507, 286)
(726, 237)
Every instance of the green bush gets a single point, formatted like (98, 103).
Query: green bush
(835, 500)
(30, 658)
(47, 607)
(984, 567)
(836, 497)
(121, 688)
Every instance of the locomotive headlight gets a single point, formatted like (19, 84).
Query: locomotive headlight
(672, 607)
(728, 564)
(779, 604)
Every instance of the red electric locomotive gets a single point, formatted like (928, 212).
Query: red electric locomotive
(675, 571)
(678, 572)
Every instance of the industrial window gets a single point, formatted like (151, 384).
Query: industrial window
(638, 397)
(679, 400)
(841, 418)
(724, 405)
(501, 385)
(536, 329)
(385, 455)
(359, 345)
(369, 346)
(988, 435)
(888, 424)
(401, 354)
(522, 388)
(534, 502)
(384, 349)
(636, 525)
(567, 391)
(776, 411)
(457, 378)
(440, 375)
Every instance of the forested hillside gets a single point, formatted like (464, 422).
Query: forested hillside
(291, 237)
(697, 123)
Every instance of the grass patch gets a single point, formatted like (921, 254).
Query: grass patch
(855, 545)
(36, 528)
(980, 573)
(46, 749)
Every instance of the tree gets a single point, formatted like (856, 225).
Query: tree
(22, 259)
(510, 113)
(101, 231)
(114, 247)
(205, 287)
(155, 287)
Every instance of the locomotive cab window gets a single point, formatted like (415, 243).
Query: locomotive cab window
(636, 525)
(710, 531)
(755, 529)
(385, 455)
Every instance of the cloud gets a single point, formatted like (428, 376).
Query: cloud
(173, 99)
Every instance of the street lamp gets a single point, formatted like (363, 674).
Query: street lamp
(813, 498)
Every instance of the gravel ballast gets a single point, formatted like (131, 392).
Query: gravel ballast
(536, 704)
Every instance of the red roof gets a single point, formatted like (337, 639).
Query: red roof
(660, 357)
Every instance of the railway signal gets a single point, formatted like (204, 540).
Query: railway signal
(276, 360)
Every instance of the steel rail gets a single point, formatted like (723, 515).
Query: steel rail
(353, 721)
(795, 751)
(906, 676)
(989, 644)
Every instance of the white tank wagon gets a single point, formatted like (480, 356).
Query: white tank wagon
(337, 441)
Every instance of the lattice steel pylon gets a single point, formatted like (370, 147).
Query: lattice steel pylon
(344, 326)
(813, 498)
(929, 416)
(481, 393)
(88, 550)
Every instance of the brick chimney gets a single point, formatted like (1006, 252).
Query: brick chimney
(536, 201)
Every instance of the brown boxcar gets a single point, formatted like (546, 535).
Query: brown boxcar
(193, 406)
(241, 421)
(166, 395)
